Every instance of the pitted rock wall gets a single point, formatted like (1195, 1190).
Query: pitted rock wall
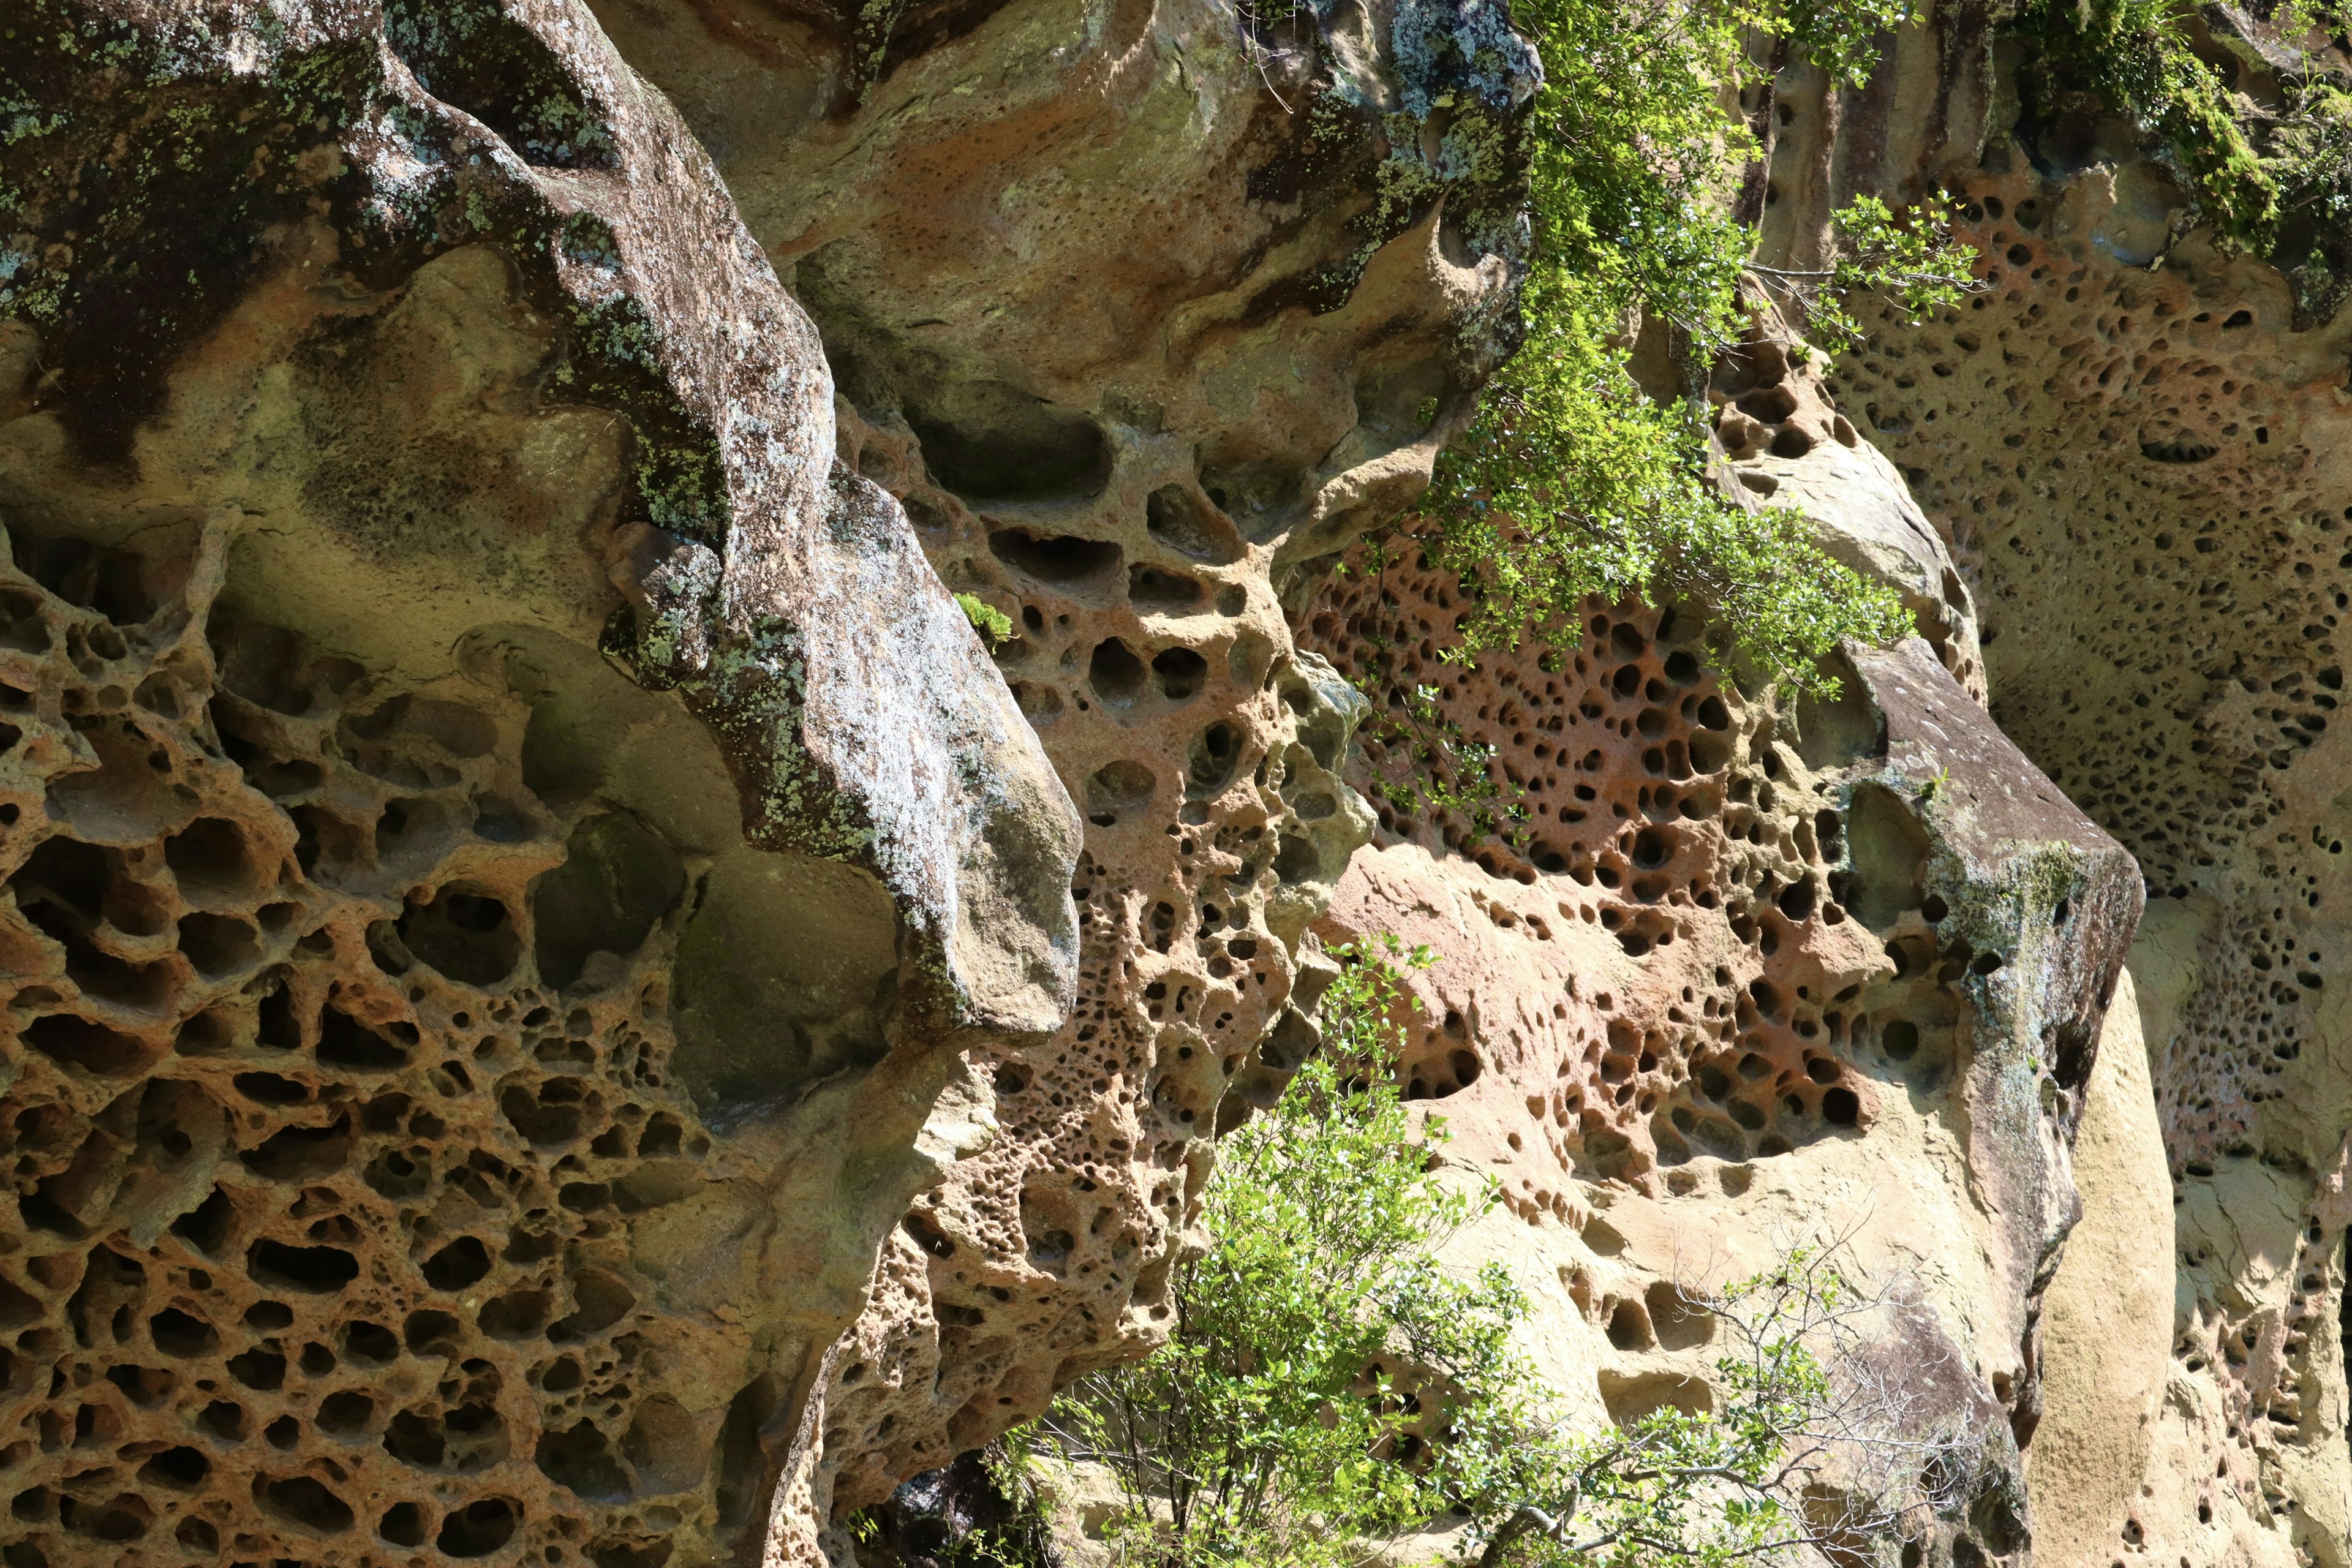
(2131, 440)
(507, 851)
(561, 1011)
(1137, 309)
(565, 1007)
(1751, 973)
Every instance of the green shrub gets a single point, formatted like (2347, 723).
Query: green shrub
(1329, 1386)
(1570, 482)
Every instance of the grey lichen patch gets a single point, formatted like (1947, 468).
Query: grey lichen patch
(472, 55)
(1441, 111)
(1446, 49)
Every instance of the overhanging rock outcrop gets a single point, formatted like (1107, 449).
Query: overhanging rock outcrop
(1140, 310)
(561, 1010)
(509, 849)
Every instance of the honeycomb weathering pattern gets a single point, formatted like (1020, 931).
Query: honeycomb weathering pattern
(1800, 934)
(1737, 933)
(506, 850)
(614, 977)
(475, 533)
(1154, 386)
(2133, 439)
(2159, 535)
(1733, 930)
(326, 1208)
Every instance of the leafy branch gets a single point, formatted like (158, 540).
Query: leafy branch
(1329, 1386)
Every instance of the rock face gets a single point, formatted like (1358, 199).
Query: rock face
(2132, 441)
(513, 856)
(562, 1005)
(2107, 1319)
(1761, 973)
(1136, 309)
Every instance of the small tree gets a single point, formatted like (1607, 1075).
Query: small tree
(1279, 1425)
(1329, 1386)
(1812, 1446)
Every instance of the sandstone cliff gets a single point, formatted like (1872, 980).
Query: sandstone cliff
(562, 1006)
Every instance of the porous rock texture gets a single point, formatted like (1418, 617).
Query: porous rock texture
(563, 1005)
(2112, 491)
(1137, 309)
(1754, 974)
(2135, 442)
(561, 1009)
(512, 857)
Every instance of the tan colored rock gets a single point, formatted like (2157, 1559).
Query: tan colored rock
(491, 782)
(1140, 310)
(505, 851)
(2106, 1318)
(2135, 442)
(1753, 973)
(495, 761)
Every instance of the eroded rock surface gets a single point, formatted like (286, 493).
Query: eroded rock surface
(2135, 444)
(507, 849)
(1753, 972)
(560, 1009)
(563, 1007)
(1138, 309)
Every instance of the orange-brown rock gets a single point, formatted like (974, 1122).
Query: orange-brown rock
(557, 1007)
(1749, 973)
(506, 851)
(562, 1005)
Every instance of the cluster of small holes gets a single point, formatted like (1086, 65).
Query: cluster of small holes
(2150, 527)
(1659, 808)
(2285, 1404)
(325, 1200)
(1204, 767)
(2153, 510)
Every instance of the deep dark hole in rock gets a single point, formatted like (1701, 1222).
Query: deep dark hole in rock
(1058, 559)
(304, 1500)
(479, 1529)
(93, 1047)
(178, 1334)
(457, 1265)
(402, 1524)
(741, 1464)
(345, 1413)
(617, 881)
(1115, 673)
(579, 1459)
(467, 935)
(1298, 860)
(1179, 672)
(989, 441)
(369, 1341)
(1212, 759)
(111, 582)
(345, 1042)
(182, 1468)
(1153, 590)
(307, 1268)
(428, 1333)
